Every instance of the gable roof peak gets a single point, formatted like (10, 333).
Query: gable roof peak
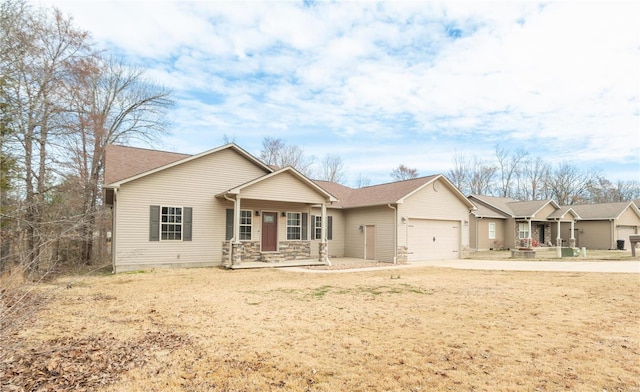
(142, 170)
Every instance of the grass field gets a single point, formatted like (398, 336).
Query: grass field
(418, 329)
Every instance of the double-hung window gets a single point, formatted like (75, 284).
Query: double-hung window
(171, 223)
(523, 230)
(317, 232)
(316, 227)
(245, 225)
(492, 230)
(294, 226)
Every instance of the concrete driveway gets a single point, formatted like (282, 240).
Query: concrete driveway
(557, 266)
(358, 265)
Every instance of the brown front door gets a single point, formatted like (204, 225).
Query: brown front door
(269, 231)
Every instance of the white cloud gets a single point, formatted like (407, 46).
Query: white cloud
(559, 78)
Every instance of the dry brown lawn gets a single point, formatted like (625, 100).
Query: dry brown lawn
(418, 329)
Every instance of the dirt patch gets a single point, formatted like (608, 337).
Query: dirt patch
(416, 329)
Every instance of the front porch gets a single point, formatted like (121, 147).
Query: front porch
(338, 263)
(280, 264)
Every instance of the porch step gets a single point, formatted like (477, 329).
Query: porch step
(271, 257)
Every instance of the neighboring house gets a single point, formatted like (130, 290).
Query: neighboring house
(505, 223)
(226, 207)
(601, 225)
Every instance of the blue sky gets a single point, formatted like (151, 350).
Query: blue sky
(385, 83)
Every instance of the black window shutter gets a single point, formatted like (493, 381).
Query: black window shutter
(154, 223)
(305, 218)
(329, 227)
(229, 233)
(313, 228)
(186, 223)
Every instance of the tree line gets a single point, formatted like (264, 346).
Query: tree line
(62, 101)
(523, 176)
(514, 174)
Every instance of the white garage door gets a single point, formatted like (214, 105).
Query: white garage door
(433, 239)
(623, 234)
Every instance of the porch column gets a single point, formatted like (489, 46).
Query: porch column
(572, 241)
(236, 256)
(324, 246)
(558, 242)
(529, 242)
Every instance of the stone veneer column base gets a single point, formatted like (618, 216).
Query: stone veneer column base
(403, 255)
(236, 256)
(323, 252)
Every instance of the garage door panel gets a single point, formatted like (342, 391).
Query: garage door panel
(433, 239)
(623, 234)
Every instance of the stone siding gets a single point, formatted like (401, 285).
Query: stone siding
(403, 255)
(287, 250)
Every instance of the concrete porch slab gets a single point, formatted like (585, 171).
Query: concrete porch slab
(281, 264)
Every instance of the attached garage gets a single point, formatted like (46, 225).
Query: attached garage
(433, 239)
(623, 234)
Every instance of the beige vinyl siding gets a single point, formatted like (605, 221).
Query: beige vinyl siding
(428, 203)
(628, 218)
(473, 232)
(545, 212)
(479, 233)
(589, 234)
(336, 244)
(382, 217)
(283, 187)
(270, 206)
(192, 184)
(510, 233)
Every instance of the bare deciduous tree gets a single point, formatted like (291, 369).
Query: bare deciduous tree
(362, 181)
(277, 153)
(568, 184)
(509, 167)
(481, 178)
(110, 103)
(459, 174)
(38, 49)
(534, 176)
(332, 169)
(403, 172)
(601, 190)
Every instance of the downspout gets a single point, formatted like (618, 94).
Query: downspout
(395, 230)
(113, 231)
(232, 239)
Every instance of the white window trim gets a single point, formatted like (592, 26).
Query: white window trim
(317, 233)
(298, 226)
(521, 232)
(492, 233)
(250, 225)
(181, 224)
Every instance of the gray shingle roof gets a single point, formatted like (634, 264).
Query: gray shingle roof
(601, 211)
(527, 208)
(376, 194)
(508, 206)
(123, 162)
